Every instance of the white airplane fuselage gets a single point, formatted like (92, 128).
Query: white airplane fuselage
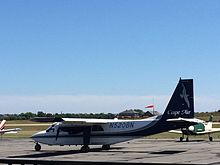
(109, 135)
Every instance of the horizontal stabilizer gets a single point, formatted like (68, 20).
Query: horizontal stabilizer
(175, 131)
(193, 121)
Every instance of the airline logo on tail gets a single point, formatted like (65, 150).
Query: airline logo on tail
(185, 96)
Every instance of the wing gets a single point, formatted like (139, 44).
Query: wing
(213, 130)
(13, 130)
(83, 122)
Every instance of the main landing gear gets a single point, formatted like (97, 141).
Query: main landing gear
(37, 147)
(182, 137)
(187, 138)
(106, 147)
(85, 148)
(210, 138)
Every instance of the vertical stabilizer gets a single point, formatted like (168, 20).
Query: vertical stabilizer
(2, 125)
(209, 124)
(181, 103)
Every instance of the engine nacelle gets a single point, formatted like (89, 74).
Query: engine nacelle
(191, 128)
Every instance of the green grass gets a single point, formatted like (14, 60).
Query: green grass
(27, 130)
(21, 122)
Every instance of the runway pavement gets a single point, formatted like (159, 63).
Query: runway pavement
(141, 151)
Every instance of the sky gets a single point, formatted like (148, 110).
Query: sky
(93, 56)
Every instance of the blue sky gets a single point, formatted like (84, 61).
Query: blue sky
(56, 50)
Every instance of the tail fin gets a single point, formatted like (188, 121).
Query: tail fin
(181, 103)
(210, 118)
(2, 125)
(209, 124)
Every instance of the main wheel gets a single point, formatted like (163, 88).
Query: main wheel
(85, 148)
(210, 139)
(37, 147)
(106, 147)
(187, 139)
(181, 139)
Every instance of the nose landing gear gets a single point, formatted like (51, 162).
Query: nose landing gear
(37, 147)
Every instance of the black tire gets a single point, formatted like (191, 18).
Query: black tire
(181, 139)
(210, 139)
(187, 139)
(106, 147)
(37, 147)
(85, 148)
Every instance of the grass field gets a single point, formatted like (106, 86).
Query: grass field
(29, 129)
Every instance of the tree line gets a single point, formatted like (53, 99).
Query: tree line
(30, 115)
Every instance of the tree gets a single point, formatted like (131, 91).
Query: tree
(41, 114)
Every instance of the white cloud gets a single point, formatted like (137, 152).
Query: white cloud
(93, 103)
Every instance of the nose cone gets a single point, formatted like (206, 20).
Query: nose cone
(44, 138)
(39, 135)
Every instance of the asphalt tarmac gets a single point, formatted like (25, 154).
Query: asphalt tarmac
(141, 151)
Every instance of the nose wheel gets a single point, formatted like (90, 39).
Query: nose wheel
(37, 147)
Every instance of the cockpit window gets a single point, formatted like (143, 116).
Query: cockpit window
(51, 128)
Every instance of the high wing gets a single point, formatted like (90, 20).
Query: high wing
(13, 130)
(83, 122)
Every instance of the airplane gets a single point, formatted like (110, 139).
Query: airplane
(7, 131)
(198, 129)
(179, 113)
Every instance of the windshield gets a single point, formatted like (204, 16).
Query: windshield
(51, 128)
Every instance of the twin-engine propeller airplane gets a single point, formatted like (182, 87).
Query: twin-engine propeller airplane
(70, 131)
(3, 130)
(198, 129)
